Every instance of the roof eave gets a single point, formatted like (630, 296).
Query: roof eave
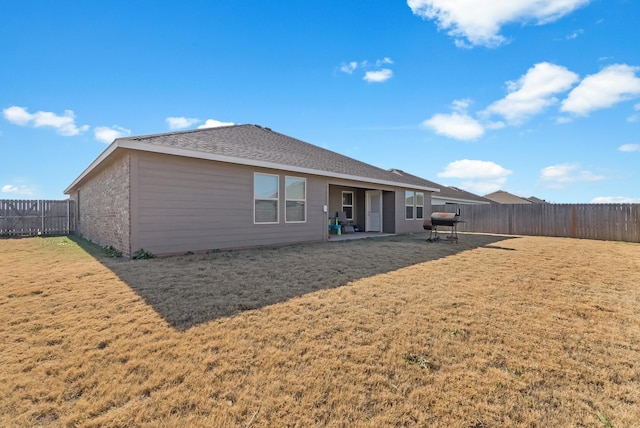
(460, 199)
(127, 143)
(101, 158)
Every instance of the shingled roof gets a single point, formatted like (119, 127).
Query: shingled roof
(448, 193)
(261, 147)
(502, 197)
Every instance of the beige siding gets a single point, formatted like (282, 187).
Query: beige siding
(410, 226)
(102, 204)
(185, 204)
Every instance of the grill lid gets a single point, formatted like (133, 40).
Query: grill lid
(443, 216)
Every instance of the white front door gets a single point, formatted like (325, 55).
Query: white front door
(373, 222)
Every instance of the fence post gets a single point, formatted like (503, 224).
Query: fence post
(41, 208)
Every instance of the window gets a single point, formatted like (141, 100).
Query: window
(265, 198)
(419, 205)
(414, 205)
(295, 195)
(408, 204)
(347, 204)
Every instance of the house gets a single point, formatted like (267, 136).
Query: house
(535, 200)
(447, 194)
(502, 197)
(232, 187)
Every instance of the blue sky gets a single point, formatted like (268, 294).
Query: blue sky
(534, 97)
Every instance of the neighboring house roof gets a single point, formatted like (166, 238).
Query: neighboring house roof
(535, 200)
(502, 197)
(447, 193)
(257, 146)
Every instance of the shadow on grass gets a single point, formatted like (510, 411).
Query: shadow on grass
(192, 289)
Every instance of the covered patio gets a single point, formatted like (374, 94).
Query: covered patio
(358, 235)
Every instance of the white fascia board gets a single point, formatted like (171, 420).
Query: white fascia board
(179, 151)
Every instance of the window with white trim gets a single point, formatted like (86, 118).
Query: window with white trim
(408, 204)
(347, 204)
(266, 197)
(419, 205)
(295, 195)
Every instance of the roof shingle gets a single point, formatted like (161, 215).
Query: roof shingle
(254, 142)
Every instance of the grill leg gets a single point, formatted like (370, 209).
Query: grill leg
(433, 234)
(454, 234)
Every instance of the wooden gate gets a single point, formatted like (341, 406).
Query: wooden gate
(36, 217)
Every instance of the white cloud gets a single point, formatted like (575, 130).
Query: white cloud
(461, 106)
(476, 175)
(467, 168)
(479, 22)
(378, 76)
(383, 61)
(455, 125)
(349, 67)
(629, 148)
(17, 115)
(634, 117)
(64, 125)
(533, 92)
(212, 123)
(107, 134)
(372, 71)
(615, 200)
(495, 125)
(610, 86)
(557, 176)
(574, 35)
(563, 120)
(181, 122)
(16, 190)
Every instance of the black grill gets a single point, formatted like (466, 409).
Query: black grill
(443, 220)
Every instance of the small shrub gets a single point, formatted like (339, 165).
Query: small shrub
(142, 254)
(112, 252)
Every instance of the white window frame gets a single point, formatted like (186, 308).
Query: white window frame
(277, 199)
(351, 206)
(409, 194)
(421, 217)
(287, 199)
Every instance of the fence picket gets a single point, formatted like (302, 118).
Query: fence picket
(609, 222)
(36, 217)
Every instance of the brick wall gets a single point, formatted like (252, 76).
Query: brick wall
(104, 207)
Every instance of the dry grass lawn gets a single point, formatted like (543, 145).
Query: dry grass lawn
(493, 331)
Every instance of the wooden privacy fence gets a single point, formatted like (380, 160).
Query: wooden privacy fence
(36, 217)
(609, 222)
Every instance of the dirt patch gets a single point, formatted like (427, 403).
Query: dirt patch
(493, 331)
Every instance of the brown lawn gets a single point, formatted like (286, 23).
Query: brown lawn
(493, 331)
